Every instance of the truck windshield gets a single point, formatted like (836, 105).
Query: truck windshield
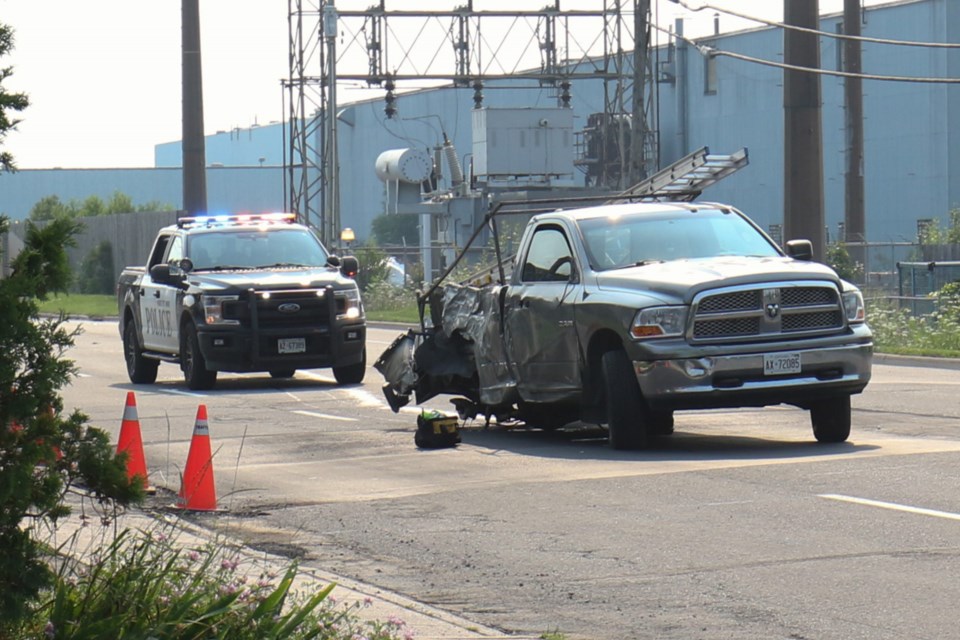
(628, 240)
(252, 249)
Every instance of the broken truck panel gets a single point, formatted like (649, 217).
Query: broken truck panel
(622, 314)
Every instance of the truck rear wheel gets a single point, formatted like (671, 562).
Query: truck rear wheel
(193, 363)
(627, 414)
(140, 370)
(831, 419)
(351, 373)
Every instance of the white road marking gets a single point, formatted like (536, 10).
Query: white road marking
(892, 506)
(177, 392)
(325, 416)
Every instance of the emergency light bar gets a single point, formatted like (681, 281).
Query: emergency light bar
(224, 220)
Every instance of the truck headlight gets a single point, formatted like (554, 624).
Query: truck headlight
(853, 306)
(349, 305)
(213, 309)
(659, 322)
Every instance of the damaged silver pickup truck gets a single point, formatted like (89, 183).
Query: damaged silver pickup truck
(624, 313)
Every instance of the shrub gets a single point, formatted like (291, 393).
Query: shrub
(43, 452)
(96, 271)
(149, 586)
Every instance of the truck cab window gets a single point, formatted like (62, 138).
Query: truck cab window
(159, 250)
(549, 258)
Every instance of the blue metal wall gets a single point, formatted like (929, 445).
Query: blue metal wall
(228, 188)
(912, 130)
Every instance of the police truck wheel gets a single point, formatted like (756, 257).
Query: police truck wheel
(627, 414)
(351, 373)
(193, 363)
(831, 419)
(140, 370)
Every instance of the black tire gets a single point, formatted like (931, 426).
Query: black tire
(193, 363)
(283, 373)
(830, 418)
(661, 423)
(140, 370)
(351, 373)
(628, 417)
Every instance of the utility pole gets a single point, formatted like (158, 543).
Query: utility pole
(803, 153)
(193, 149)
(330, 231)
(854, 211)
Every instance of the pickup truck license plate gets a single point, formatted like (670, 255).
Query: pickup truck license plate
(291, 345)
(777, 364)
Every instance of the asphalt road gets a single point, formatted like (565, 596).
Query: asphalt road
(738, 526)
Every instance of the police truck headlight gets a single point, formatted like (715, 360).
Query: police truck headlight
(213, 309)
(853, 306)
(659, 322)
(349, 305)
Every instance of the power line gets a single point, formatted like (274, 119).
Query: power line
(826, 34)
(711, 51)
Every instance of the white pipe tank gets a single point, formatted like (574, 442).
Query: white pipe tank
(406, 165)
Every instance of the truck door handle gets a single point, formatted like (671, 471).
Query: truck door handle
(156, 294)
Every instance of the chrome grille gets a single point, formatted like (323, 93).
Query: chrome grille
(766, 312)
(734, 301)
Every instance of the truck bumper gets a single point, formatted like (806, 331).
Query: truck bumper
(738, 380)
(240, 350)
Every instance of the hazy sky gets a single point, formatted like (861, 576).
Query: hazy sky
(103, 76)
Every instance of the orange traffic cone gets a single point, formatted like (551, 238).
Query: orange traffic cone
(131, 441)
(197, 492)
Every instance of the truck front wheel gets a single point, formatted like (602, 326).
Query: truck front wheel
(831, 419)
(140, 370)
(193, 363)
(628, 416)
(351, 373)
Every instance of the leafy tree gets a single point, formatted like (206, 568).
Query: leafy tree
(51, 208)
(96, 271)
(373, 266)
(8, 101)
(935, 234)
(43, 452)
(846, 267)
(395, 228)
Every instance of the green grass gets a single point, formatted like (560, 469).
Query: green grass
(408, 315)
(81, 304)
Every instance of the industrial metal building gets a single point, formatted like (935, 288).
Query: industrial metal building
(912, 131)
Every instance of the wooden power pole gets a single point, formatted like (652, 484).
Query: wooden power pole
(803, 153)
(194, 153)
(855, 226)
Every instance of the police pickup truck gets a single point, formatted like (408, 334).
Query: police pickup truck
(624, 313)
(241, 294)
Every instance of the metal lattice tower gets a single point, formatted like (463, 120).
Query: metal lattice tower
(468, 46)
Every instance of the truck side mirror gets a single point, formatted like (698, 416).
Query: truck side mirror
(349, 266)
(800, 249)
(164, 274)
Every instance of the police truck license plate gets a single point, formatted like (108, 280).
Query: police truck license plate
(291, 345)
(776, 364)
